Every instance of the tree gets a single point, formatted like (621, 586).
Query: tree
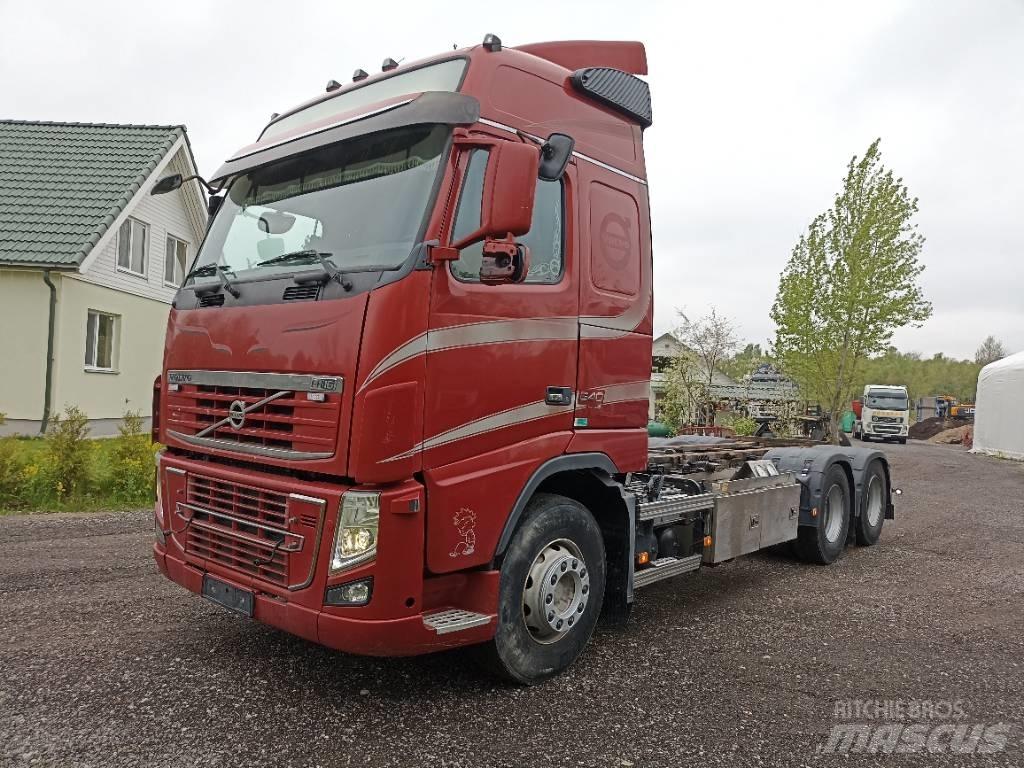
(989, 351)
(711, 339)
(744, 363)
(685, 391)
(851, 282)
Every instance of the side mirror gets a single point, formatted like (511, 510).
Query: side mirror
(504, 262)
(555, 155)
(510, 184)
(166, 184)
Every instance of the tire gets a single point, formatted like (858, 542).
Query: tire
(868, 526)
(557, 539)
(903, 441)
(825, 542)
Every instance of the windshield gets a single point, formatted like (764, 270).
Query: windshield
(362, 201)
(887, 399)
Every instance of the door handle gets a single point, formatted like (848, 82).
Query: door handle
(558, 396)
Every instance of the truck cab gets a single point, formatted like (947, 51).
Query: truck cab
(885, 413)
(406, 382)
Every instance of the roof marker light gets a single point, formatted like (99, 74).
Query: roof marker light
(359, 74)
(492, 42)
(333, 85)
(275, 116)
(388, 65)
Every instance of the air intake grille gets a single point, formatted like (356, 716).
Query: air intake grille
(211, 300)
(309, 292)
(619, 90)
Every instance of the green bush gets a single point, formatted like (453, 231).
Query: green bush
(12, 469)
(133, 473)
(744, 426)
(68, 453)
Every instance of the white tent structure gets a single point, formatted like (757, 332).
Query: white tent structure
(999, 417)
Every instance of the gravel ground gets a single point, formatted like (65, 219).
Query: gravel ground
(103, 662)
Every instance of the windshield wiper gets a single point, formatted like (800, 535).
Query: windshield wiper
(330, 269)
(223, 282)
(304, 255)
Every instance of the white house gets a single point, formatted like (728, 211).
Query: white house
(89, 265)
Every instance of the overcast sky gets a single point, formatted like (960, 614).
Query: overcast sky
(757, 108)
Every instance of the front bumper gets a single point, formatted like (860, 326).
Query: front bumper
(886, 430)
(391, 624)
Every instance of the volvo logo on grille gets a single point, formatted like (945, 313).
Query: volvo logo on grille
(236, 414)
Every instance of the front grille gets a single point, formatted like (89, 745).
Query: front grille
(889, 419)
(279, 415)
(248, 529)
(256, 504)
(238, 554)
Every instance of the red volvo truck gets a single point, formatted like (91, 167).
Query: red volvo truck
(405, 385)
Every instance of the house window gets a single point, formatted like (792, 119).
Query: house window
(100, 330)
(132, 244)
(545, 238)
(175, 261)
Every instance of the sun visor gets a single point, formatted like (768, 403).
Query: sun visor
(431, 108)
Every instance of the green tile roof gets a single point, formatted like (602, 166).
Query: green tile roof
(63, 184)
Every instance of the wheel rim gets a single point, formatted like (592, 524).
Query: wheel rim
(874, 510)
(556, 591)
(833, 512)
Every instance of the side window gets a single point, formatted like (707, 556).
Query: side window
(546, 238)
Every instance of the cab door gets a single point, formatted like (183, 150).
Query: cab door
(495, 351)
(500, 369)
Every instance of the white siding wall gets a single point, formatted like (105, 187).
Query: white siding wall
(165, 215)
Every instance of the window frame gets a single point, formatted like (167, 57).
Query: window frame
(463, 171)
(132, 221)
(115, 331)
(184, 267)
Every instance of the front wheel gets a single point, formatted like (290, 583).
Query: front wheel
(550, 591)
(903, 441)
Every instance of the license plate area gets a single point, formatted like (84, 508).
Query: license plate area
(228, 596)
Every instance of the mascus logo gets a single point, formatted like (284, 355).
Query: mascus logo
(326, 384)
(179, 378)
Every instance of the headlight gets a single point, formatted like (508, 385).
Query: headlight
(355, 539)
(874, 418)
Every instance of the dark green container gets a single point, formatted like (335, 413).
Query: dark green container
(657, 429)
(847, 421)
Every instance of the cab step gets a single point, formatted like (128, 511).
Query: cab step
(664, 568)
(454, 620)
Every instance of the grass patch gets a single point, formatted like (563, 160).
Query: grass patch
(68, 471)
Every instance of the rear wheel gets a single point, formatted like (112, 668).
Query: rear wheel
(550, 591)
(824, 543)
(869, 525)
